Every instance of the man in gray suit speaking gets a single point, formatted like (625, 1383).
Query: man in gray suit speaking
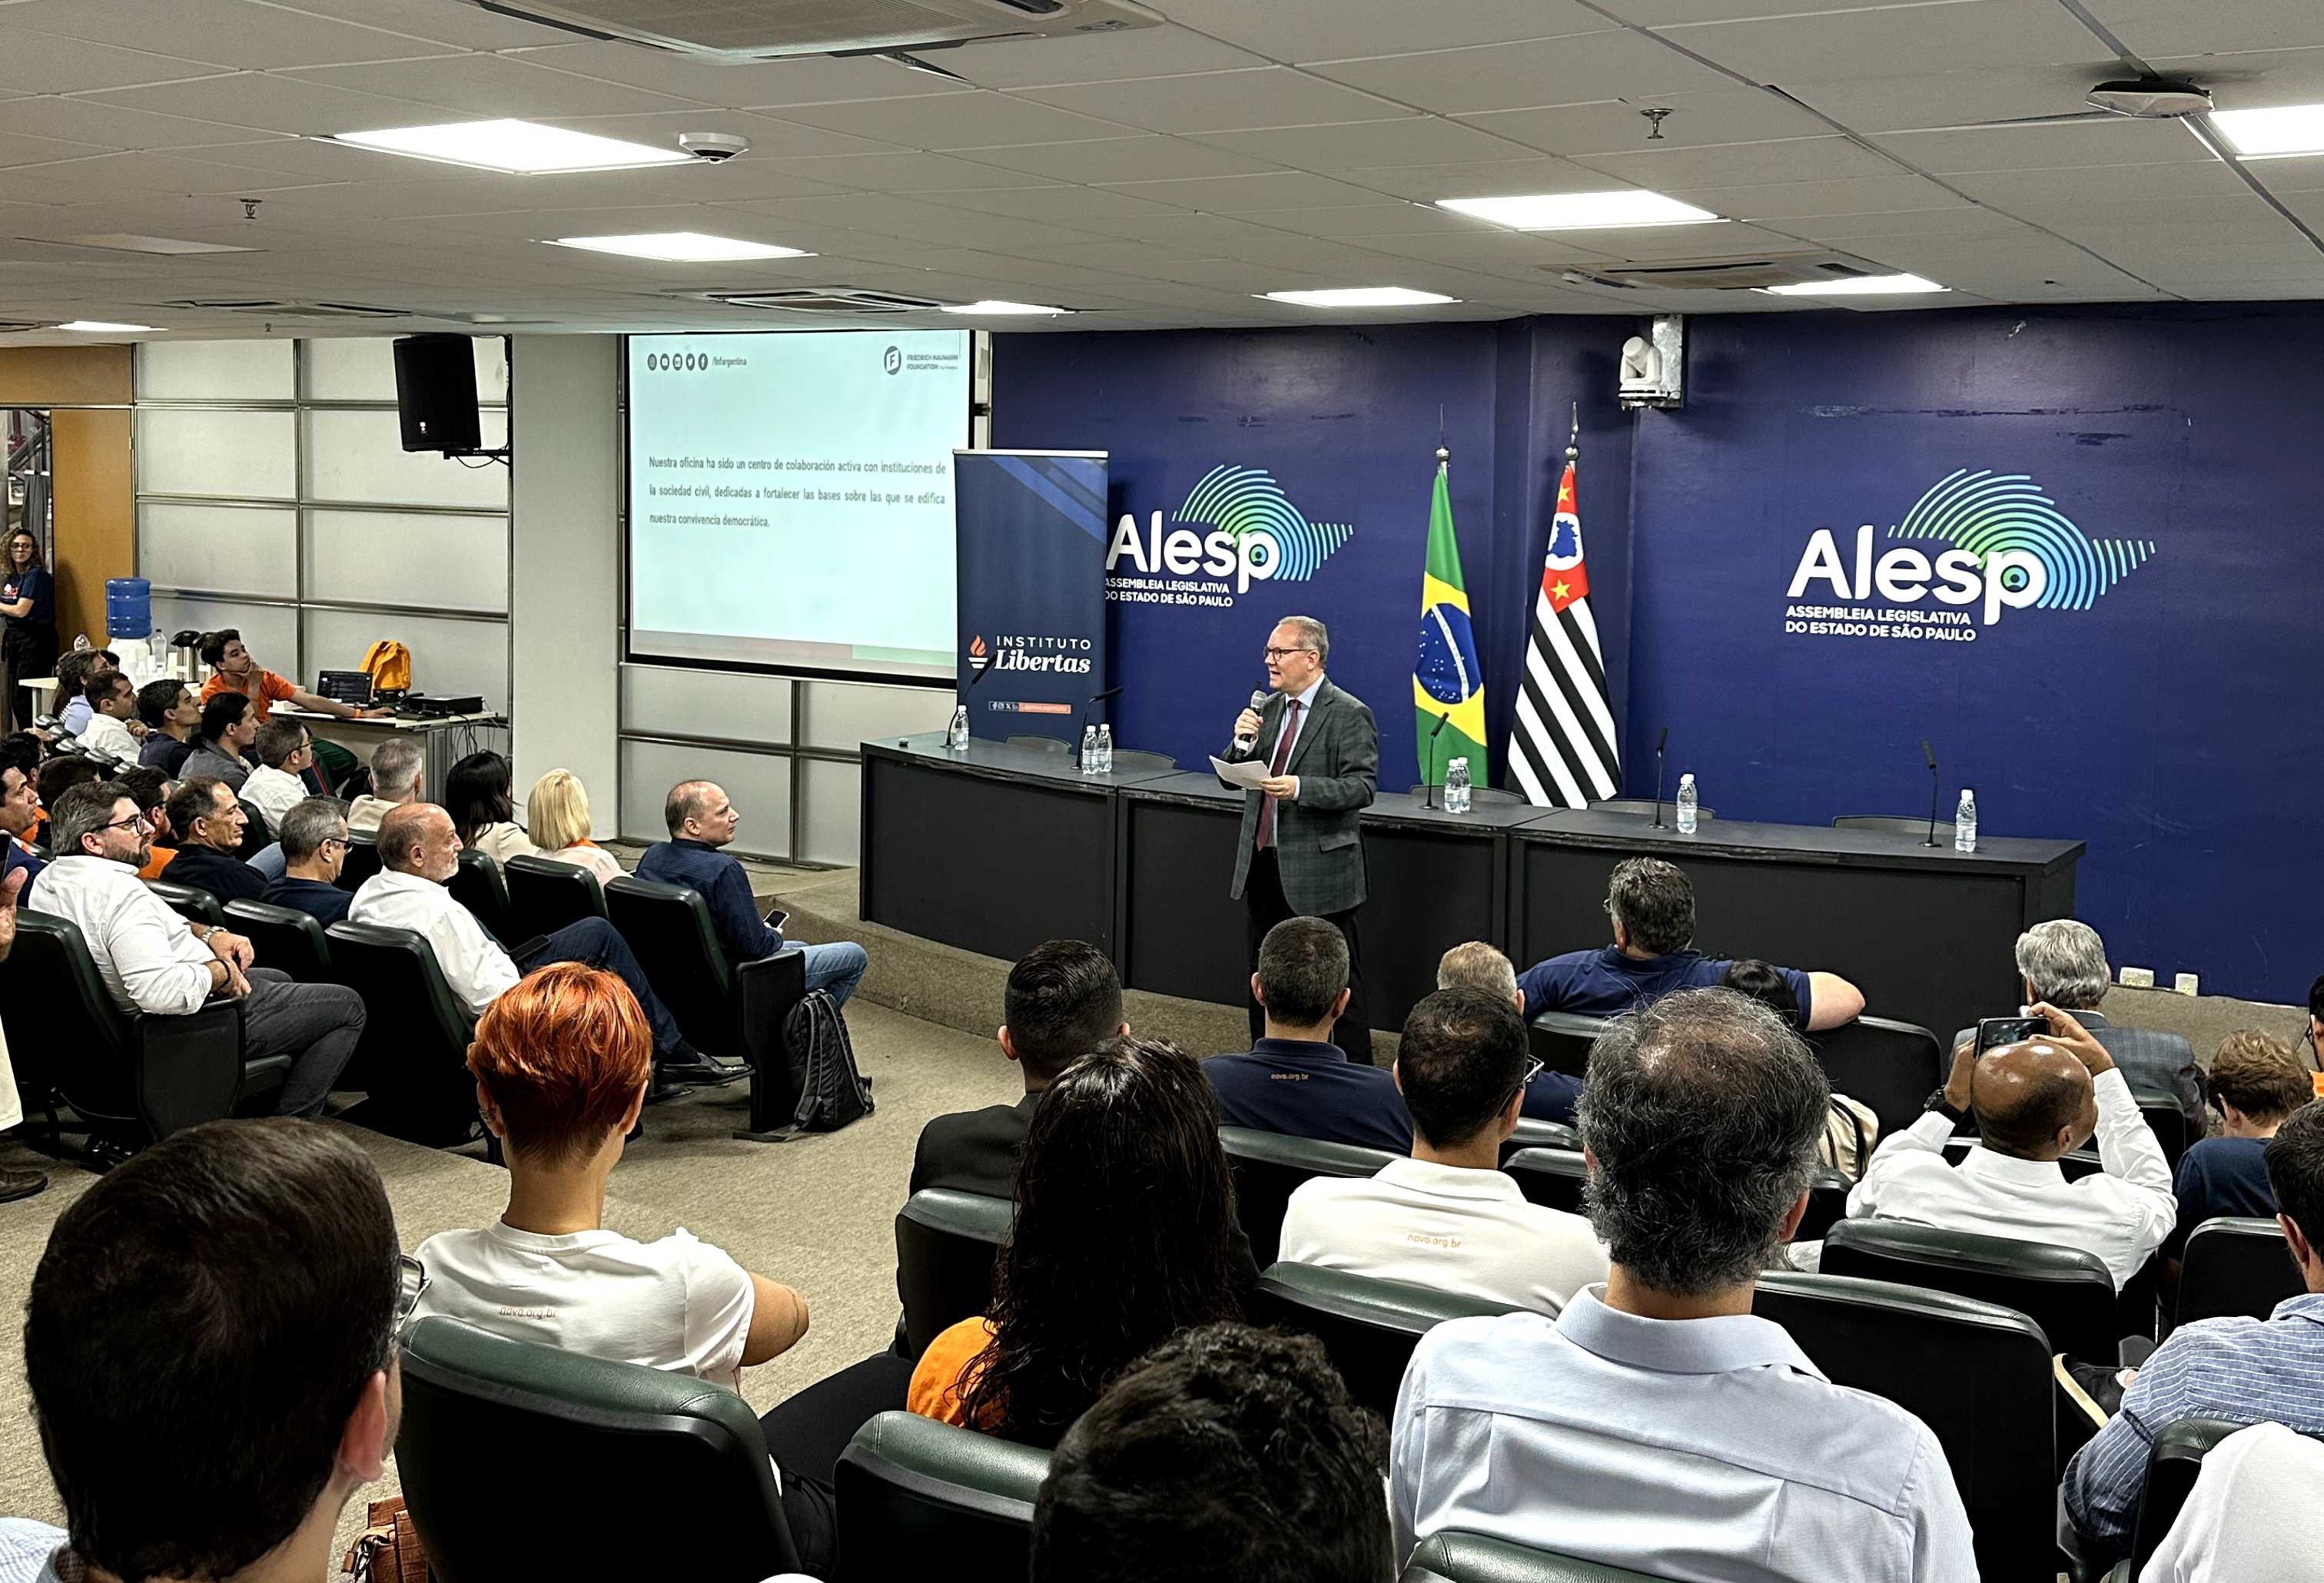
(1301, 853)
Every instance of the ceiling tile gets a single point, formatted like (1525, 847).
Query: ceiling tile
(43, 63)
(1606, 126)
(491, 86)
(1412, 139)
(1123, 158)
(1094, 58)
(1866, 195)
(111, 125)
(770, 136)
(2256, 80)
(16, 149)
(269, 103)
(224, 33)
(1792, 158)
(145, 172)
(1074, 206)
(899, 173)
(1476, 178)
(1255, 194)
(1951, 99)
(957, 121)
(2116, 141)
(1222, 101)
(1362, 221)
(1967, 220)
(1669, 12)
(799, 79)
(2168, 27)
(1512, 77)
(466, 27)
(1315, 29)
(2024, 192)
(1868, 42)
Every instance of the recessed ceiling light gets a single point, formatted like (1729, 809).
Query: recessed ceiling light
(517, 147)
(97, 327)
(1856, 286)
(1359, 297)
(994, 305)
(2264, 134)
(1581, 211)
(680, 247)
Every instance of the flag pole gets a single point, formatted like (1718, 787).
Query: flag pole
(1444, 464)
(1573, 439)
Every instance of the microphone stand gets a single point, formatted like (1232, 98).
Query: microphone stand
(1430, 801)
(1936, 795)
(1660, 743)
(1080, 713)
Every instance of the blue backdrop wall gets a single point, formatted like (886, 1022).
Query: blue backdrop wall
(2160, 466)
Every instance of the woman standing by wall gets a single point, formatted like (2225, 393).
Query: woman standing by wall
(28, 600)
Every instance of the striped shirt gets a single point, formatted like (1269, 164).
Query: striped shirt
(34, 1553)
(2244, 1370)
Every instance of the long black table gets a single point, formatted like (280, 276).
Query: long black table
(998, 848)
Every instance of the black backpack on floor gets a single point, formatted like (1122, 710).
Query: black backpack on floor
(832, 1093)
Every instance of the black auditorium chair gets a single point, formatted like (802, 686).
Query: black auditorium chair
(189, 902)
(256, 836)
(1892, 1067)
(1560, 1040)
(2234, 1266)
(1915, 1347)
(363, 860)
(1828, 1191)
(477, 886)
(1132, 760)
(412, 1064)
(917, 1496)
(2169, 1123)
(1893, 824)
(734, 1010)
(946, 1245)
(1370, 1327)
(1451, 1556)
(134, 1079)
(283, 937)
(1270, 1166)
(1644, 808)
(545, 895)
(1549, 1176)
(588, 1447)
(1533, 1134)
(2064, 1290)
(2172, 1470)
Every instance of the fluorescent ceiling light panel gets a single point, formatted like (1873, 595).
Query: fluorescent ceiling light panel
(1359, 297)
(97, 327)
(680, 247)
(520, 148)
(1858, 285)
(997, 307)
(1581, 211)
(2262, 135)
(126, 242)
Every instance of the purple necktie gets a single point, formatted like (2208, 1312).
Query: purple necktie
(1282, 757)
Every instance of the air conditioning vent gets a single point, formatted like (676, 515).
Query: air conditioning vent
(765, 29)
(826, 299)
(1719, 274)
(270, 308)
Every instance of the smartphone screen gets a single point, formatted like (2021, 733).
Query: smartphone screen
(1993, 1032)
(777, 917)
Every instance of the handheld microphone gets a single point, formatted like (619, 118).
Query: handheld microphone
(1936, 792)
(1660, 742)
(1244, 744)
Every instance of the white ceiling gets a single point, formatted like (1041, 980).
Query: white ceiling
(1154, 178)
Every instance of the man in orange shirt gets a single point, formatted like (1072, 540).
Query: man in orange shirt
(149, 788)
(233, 669)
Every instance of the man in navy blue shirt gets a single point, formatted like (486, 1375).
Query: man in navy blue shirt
(1294, 1080)
(1653, 908)
(2256, 1081)
(314, 849)
(701, 820)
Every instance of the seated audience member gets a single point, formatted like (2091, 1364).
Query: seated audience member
(112, 704)
(210, 826)
(2033, 1101)
(227, 1301)
(2237, 1526)
(172, 715)
(2062, 964)
(1123, 1238)
(1295, 1080)
(2256, 1081)
(156, 963)
(149, 788)
(2242, 1369)
(314, 849)
(20, 805)
(557, 819)
(562, 1062)
(229, 726)
(61, 774)
(397, 768)
(279, 784)
(1652, 905)
(418, 853)
(73, 672)
(14, 1183)
(233, 669)
(476, 796)
(1448, 1217)
(1849, 1137)
(1475, 965)
(1657, 1424)
(701, 820)
(1225, 1452)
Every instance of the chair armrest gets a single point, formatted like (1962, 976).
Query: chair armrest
(766, 990)
(188, 1068)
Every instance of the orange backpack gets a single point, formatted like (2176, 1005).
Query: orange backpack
(388, 663)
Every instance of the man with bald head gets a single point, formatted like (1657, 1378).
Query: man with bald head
(2034, 1101)
(418, 853)
(702, 819)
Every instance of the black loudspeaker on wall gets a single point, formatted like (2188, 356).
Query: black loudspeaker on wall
(435, 393)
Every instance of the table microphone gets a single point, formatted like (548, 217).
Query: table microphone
(1243, 744)
(1936, 792)
(1660, 743)
(1432, 754)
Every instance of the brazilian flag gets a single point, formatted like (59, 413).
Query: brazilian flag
(1446, 679)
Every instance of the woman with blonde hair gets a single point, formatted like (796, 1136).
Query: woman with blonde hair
(557, 818)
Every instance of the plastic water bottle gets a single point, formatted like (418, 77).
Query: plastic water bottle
(956, 733)
(1456, 787)
(157, 655)
(1105, 749)
(1686, 801)
(1089, 750)
(1965, 822)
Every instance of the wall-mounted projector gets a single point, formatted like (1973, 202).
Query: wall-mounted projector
(1653, 365)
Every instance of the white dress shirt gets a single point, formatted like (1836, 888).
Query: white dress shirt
(366, 811)
(147, 957)
(473, 962)
(1706, 1450)
(2122, 1214)
(1448, 1226)
(1294, 725)
(2251, 1517)
(106, 735)
(273, 792)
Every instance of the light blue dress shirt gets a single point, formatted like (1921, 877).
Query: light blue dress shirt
(1707, 1450)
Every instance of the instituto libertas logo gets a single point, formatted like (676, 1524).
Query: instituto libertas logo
(1236, 528)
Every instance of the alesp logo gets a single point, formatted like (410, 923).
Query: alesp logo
(2009, 548)
(1254, 535)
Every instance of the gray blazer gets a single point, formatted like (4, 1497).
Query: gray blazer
(2152, 1061)
(1319, 849)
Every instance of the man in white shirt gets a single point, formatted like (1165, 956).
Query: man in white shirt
(1657, 1424)
(2034, 1101)
(276, 786)
(156, 963)
(419, 852)
(1449, 1218)
(2250, 1517)
(111, 704)
(397, 768)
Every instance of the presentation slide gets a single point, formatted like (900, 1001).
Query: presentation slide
(790, 498)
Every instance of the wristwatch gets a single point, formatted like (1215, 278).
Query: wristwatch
(1942, 1106)
(202, 932)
